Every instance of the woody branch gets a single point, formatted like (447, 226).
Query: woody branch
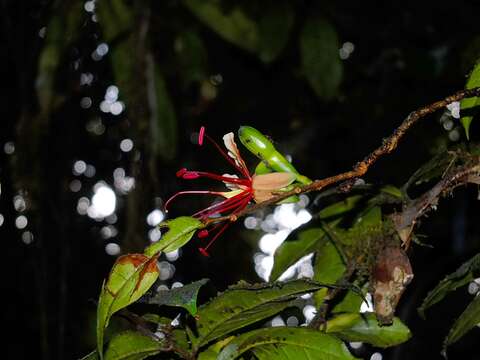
(389, 144)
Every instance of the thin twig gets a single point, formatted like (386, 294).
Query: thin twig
(389, 144)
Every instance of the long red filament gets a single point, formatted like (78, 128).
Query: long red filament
(221, 206)
(243, 171)
(227, 179)
(195, 192)
(243, 203)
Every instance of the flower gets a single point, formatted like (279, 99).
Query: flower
(242, 187)
(454, 108)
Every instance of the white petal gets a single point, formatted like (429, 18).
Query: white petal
(233, 152)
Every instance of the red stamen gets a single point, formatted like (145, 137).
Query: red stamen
(221, 206)
(202, 234)
(190, 192)
(181, 172)
(243, 203)
(227, 179)
(224, 227)
(203, 252)
(200, 135)
(190, 175)
(229, 207)
(243, 171)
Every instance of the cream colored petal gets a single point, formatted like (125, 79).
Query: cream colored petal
(229, 194)
(262, 195)
(233, 152)
(272, 181)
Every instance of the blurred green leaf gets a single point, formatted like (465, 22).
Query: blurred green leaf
(115, 18)
(185, 296)
(131, 276)
(303, 243)
(192, 56)
(62, 30)
(465, 322)
(365, 328)
(180, 231)
(131, 345)
(286, 343)
(131, 57)
(163, 121)
(321, 63)
(392, 191)
(462, 276)
(266, 37)
(469, 104)
(235, 27)
(274, 27)
(246, 304)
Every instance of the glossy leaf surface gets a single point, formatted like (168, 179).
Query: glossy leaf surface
(131, 276)
(462, 276)
(286, 343)
(185, 296)
(180, 231)
(365, 328)
(245, 304)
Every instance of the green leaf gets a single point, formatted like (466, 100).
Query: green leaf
(180, 231)
(365, 328)
(192, 57)
(246, 304)
(340, 208)
(62, 31)
(432, 169)
(211, 353)
(321, 62)
(163, 121)
(275, 27)
(131, 276)
(462, 276)
(392, 191)
(469, 104)
(185, 296)
(235, 27)
(157, 126)
(286, 343)
(328, 268)
(465, 322)
(351, 302)
(131, 345)
(115, 18)
(304, 242)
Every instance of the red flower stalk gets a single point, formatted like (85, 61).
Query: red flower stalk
(242, 189)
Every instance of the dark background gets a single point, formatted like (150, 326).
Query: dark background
(406, 54)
